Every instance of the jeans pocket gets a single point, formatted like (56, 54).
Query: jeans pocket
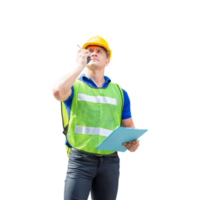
(76, 155)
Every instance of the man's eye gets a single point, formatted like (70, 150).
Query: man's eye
(99, 51)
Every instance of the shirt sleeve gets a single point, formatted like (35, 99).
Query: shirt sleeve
(126, 112)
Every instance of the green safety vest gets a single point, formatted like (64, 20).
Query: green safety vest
(94, 114)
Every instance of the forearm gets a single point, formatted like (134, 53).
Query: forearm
(134, 126)
(62, 88)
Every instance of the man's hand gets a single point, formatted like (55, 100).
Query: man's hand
(132, 145)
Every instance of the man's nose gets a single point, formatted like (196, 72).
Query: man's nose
(93, 54)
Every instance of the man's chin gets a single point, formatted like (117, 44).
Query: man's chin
(92, 65)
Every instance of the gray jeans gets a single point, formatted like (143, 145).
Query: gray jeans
(87, 173)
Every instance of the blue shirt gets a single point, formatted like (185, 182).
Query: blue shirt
(126, 112)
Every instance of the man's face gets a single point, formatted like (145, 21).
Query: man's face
(98, 57)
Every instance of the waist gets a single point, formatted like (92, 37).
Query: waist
(93, 154)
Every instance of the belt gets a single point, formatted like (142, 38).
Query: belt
(93, 154)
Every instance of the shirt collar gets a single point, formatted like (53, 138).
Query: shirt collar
(83, 77)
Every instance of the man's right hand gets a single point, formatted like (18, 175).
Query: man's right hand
(81, 58)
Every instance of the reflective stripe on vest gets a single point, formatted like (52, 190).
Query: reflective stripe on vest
(97, 99)
(92, 131)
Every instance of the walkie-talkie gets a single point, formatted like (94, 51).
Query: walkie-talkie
(88, 58)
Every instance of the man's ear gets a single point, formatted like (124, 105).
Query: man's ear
(107, 62)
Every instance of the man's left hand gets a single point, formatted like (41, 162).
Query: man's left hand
(132, 145)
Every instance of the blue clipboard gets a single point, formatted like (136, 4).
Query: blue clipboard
(120, 135)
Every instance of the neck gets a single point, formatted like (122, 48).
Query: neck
(96, 76)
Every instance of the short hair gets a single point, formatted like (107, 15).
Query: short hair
(107, 53)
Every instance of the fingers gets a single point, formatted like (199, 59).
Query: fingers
(82, 56)
(132, 142)
(136, 141)
(82, 51)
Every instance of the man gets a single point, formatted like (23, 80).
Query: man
(95, 107)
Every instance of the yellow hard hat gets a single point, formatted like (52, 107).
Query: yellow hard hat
(99, 41)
